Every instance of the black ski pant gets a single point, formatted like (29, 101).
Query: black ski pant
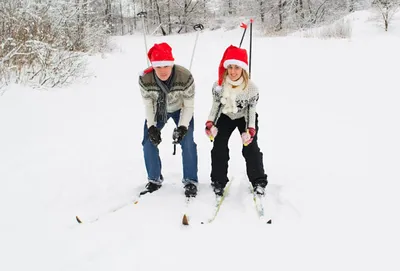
(220, 152)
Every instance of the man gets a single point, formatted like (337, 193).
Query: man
(168, 92)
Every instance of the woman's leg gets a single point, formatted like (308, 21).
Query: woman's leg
(254, 158)
(220, 151)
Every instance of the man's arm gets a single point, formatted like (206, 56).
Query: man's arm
(188, 105)
(148, 105)
(149, 111)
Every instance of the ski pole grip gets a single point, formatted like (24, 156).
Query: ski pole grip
(142, 14)
(197, 27)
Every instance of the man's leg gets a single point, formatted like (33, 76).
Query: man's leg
(189, 157)
(151, 157)
(189, 152)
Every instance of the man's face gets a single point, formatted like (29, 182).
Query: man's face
(163, 72)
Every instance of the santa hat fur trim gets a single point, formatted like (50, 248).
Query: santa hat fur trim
(162, 63)
(236, 62)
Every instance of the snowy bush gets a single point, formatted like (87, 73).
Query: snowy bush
(53, 68)
(340, 29)
(3, 79)
(39, 64)
(43, 42)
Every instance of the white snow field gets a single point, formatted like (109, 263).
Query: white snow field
(329, 130)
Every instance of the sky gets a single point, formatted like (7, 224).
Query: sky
(328, 114)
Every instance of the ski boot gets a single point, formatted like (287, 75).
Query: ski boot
(218, 188)
(151, 187)
(259, 187)
(190, 190)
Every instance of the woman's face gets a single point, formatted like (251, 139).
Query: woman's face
(234, 72)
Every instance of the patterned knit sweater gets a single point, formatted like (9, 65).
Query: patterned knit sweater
(235, 102)
(181, 95)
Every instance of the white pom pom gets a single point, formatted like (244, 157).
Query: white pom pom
(218, 88)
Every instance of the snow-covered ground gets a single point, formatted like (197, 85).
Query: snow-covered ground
(328, 112)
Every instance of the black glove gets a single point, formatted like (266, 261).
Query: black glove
(154, 135)
(179, 133)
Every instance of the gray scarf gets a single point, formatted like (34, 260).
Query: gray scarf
(165, 86)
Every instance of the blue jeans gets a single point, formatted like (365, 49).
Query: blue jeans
(189, 153)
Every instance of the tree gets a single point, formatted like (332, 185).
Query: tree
(351, 5)
(262, 10)
(159, 18)
(386, 8)
(107, 14)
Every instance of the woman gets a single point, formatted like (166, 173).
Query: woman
(234, 106)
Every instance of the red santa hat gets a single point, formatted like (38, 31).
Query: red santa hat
(232, 56)
(160, 55)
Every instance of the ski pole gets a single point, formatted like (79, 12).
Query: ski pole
(198, 28)
(251, 41)
(243, 25)
(143, 14)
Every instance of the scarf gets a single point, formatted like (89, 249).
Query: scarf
(165, 86)
(231, 89)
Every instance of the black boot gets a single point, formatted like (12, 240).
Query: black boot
(218, 188)
(190, 190)
(151, 187)
(259, 187)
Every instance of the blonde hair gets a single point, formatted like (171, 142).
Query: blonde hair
(245, 76)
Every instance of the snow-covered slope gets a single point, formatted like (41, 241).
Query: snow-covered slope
(328, 130)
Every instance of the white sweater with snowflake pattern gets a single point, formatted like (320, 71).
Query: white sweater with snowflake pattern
(235, 101)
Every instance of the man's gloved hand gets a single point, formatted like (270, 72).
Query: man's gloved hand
(154, 135)
(248, 136)
(211, 130)
(179, 133)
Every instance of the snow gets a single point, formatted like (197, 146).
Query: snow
(328, 117)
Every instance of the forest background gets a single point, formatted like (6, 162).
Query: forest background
(45, 43)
